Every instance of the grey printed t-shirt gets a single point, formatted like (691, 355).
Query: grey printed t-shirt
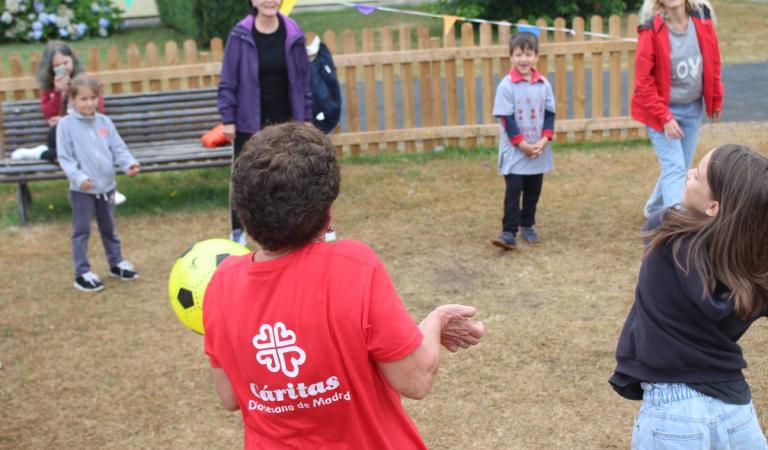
(527, 102)
(687, 66)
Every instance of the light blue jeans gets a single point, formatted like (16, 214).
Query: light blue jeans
(677, 417)
(675, 156)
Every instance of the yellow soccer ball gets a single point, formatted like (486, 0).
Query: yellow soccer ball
(190, 276)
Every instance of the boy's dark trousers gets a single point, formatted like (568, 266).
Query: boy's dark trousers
(84, 206)
(529, 186)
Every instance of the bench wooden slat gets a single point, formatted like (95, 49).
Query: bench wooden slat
(162, 130)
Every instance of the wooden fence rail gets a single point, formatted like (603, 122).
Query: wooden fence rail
(439, 93)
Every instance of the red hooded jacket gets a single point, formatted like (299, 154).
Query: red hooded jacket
(653, 71)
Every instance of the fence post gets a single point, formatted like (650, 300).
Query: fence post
(134, 62)
(437, 88)
(596, 24)
(388, 82)
(406, 86)
(561, 77)
(113, 63)
(614, 29)
(152, 59)
(34, 64)
(470, 93)
(190, 57)
(172, 59)
(425, 85)
(631, 33)
(350, 78)
(505, 32)
(369, 78)
(17, 71)
(451, 101)
(579, 96)
(486, 40)
(543, 39)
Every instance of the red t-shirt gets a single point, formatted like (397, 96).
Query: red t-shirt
(299, 338)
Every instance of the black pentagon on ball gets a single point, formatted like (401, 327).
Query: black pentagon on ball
(185, 298)
(221, 257)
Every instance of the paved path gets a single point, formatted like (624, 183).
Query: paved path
(745, 86)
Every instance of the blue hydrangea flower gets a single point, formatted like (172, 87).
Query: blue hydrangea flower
(81, 27)
(43, 18)
(39, 6)
(63, 32)
(37, 26)
(103, 22)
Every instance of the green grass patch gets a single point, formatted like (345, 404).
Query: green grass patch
(163, 192)
(150, 193)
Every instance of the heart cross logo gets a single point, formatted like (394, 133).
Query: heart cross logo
(277, 349)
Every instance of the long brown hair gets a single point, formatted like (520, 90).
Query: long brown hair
(732, 246)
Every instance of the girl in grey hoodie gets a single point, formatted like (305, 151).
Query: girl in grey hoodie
(89, 147)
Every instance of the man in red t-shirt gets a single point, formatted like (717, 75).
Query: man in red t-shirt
(309, 339)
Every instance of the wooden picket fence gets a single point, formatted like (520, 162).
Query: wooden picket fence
(380, 80)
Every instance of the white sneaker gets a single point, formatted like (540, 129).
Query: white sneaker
(238, 235)
(28, 153)
(119, 198)
(89, 282)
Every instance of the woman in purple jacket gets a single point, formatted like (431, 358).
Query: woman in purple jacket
(264, 79)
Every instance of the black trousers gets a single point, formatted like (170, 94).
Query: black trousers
(50, 154)
(238, 144)
(529, 188)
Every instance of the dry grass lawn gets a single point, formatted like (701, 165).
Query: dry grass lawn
(742, 25)
(116, 370)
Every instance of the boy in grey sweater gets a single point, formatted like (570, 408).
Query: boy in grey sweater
(89, 147)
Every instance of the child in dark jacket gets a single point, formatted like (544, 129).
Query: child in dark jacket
(703, 281)
(89, 148)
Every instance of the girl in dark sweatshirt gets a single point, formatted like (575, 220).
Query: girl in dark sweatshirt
(703, 281)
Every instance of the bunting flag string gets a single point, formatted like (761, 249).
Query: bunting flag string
(449, 21)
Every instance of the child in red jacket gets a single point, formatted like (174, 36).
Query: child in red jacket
(677, 76)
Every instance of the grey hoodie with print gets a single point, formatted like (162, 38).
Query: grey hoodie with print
(89, 147)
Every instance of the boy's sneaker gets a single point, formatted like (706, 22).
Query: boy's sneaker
(89, 282)
(529, 235)
(123, 270)
(238, 235)
(505, 240)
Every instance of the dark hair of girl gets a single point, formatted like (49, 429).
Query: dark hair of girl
(730, 247)
(45, 74)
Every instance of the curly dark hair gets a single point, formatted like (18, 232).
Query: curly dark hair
(283, 185)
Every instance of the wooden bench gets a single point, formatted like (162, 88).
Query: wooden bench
(162, 130)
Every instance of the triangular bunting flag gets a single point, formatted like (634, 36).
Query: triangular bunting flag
(448, 22)
(534, 30)
(365, 9)
(287, 7)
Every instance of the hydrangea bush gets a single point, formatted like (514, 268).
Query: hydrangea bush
(41, 20)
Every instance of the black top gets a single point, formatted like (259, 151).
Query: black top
(677, 332)
(273, 76)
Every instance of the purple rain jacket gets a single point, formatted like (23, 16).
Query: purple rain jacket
(239, 97)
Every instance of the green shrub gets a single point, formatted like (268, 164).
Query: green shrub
(533, 9)
(203, 19)
(39, 21)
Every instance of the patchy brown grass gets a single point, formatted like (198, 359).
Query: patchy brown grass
(117, 370)
(742, 29)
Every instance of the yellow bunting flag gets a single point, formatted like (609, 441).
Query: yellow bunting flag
(448, 22)
(287, 7)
